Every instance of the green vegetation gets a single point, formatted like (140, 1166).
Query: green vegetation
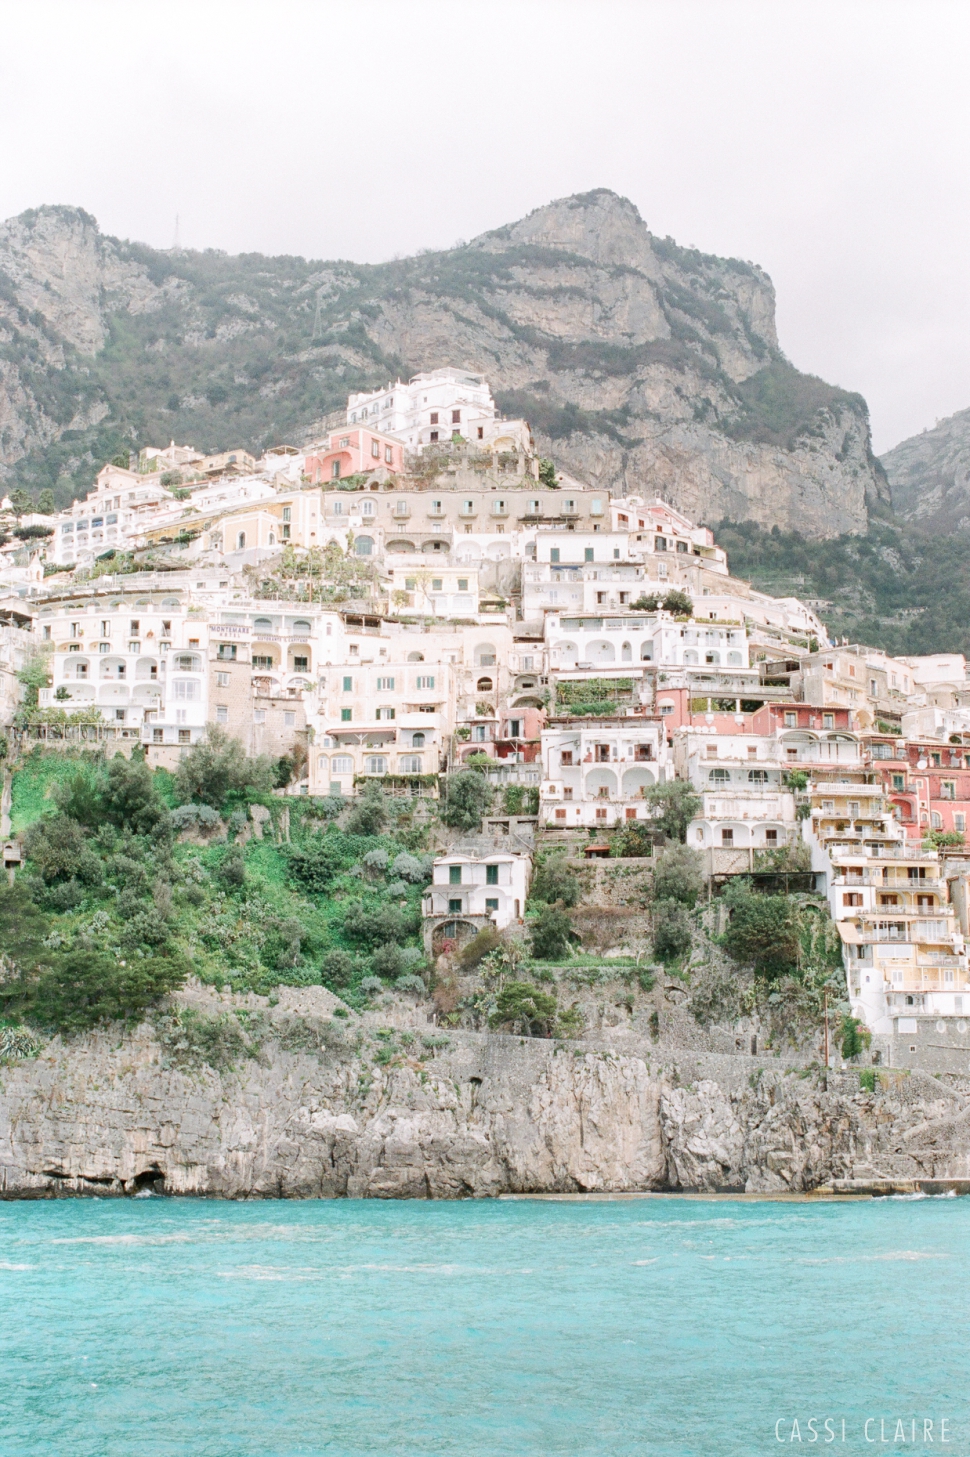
(678, 875)
(112, 909)
(893, 588)
(854, 1036)
(672, 806)
(778, 405)
(671, 930)
(522, 1007)
(466, 798)
(554, 881)
(551, 932)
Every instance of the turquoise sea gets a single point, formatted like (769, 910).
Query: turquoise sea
(183, 1328)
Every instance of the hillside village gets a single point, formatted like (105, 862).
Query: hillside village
(415, 596)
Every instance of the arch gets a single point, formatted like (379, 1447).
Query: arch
(527, 702)
(240, 541)
(112, 667)
(301, 625)
(399, 544)
(145, 669)
(417, 740)
(485, 655)
(364, 545)
(646, 652)
(262, 622)
(484, 685)
(568, 654)
(734, 660)
(80, 666)
(454, 930)
(635, 781)
(499, 551)
(375, 764)
(690, 657)
(626, 653)
(186, 663)
(415, 657)
(341, 764)
(168, 602)
(719, 776)
(601, 778)
(468, 553)
(601, 651)
(272, 538)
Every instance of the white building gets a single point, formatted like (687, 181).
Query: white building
(470, 891)
(430, 407)
(745, 803)
(595, 771)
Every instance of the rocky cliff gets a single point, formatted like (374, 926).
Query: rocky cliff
(929, 476)
(317, 1106)
(641, 364)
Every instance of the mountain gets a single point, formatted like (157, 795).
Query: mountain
(929, 476)
(641, 364)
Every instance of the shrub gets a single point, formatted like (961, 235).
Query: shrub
(867, 1079)
(678, 875)
(372, 928)
(59, 850)
(467, 797)
(550, 933)
(376, 860)
(217, 767)
(387, 961)
(131, 799)
(371, 986)
(671, 930)
(411, 867)
(678, 603)
(318, 861)
(481, 945)
(369, 814)
(79, 989)
(525, 1008)
(554, 881)
(190, 1038)
(854, 1035)
(199, 817)
(232, 868)
(410, 983)
(330, 806)
(337, 967)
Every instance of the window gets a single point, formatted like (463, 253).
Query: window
(757, 776)
(425, 682)
(289, 720)
(948, 789)
(222, 713)
(554, 555)
(454, 875)
(341, 764)
(388, 455)
(433, 418)
(335, 470)
(566, 757)
(771, 837)
(960, 822)
(259, 715)
(227, 650)
(158, 736)
(375, 764)
(346, 715)
(791, 720)
(899, 781)
(385, 685)
(434, 437)
(478, 733)
(491, 875)
(385, 713)
(411, 764)
(851, 898)
(301, 665)
(515, 728)
(567, 792)
(719, 776)
(287, 513)
(602, 814)
(348, 685)
(456, 417)
(104, 647)
(185, 736)
(262, 660)
(560, 814)
(241, 539)
(596, 508)
(491, 905)
(727, 837)
(463, 584)
(222, 679)
(937, 820)
(588, 554)
(436, 584)
(375, 449)
(417, 741)
(454, 905)
(186, 688)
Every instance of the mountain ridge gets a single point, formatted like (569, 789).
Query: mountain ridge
(641, 364)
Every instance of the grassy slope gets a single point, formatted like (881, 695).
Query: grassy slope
(893, 588)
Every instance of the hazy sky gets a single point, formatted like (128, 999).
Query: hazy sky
(829, 142)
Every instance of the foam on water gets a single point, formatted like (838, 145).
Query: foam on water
(180, 1328)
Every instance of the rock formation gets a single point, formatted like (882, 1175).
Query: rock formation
(641, 364)
(311, 1112)
(929, 476)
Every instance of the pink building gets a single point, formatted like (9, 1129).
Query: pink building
(353, 451)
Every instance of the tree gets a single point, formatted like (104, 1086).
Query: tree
(678, 875)
(22, 927)
(762, 932)
(547, 473)
(369, 814)
(671, 929)
(468, 796)
(57, 847)
(672, 807)
(551, 931)
(45, 504)
(131, 799)
(678, 603)
(217, 766)
(854, 1036)
(35, 674)
(554, 881)
(525, 1008)
(81, 988)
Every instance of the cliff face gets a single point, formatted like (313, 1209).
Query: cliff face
(314, 1116)
(642, 365)
(929, 476)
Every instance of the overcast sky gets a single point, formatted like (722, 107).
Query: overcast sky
(828, 142)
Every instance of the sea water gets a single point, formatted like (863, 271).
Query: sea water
(183, 1328)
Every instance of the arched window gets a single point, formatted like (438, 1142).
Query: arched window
(734, 660)
(301, 626)
(484, 685)
(376, 764)
(240, 540)
(417, 741)
(364, 545)
(626, 653)
(341, 764)
(485, 656)
(367, 508)
(757, 776)
(719, 776)
(262, 623)
(272, 539)
(415, 657)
